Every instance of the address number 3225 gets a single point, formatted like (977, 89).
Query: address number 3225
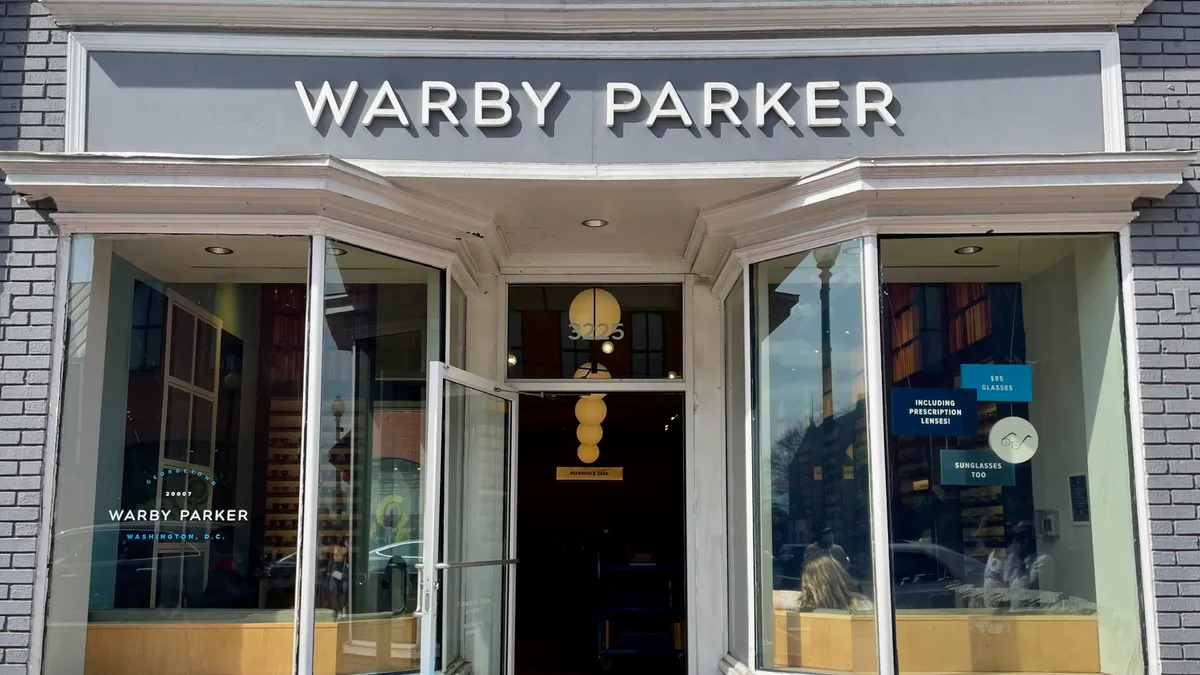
(597, 331)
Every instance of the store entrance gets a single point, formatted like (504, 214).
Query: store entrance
(602, 562)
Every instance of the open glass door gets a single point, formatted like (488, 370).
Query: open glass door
(470, 500)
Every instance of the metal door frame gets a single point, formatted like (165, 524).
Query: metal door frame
(432, 554)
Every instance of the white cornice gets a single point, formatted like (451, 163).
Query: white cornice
(1076, 192)
(236, 187)
(590, 18)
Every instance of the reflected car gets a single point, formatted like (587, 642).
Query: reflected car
(129, 561)
(377, 560)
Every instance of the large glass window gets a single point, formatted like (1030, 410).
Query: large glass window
(816, 607)
(382, 327)
(735, 474)
(609, 331)
(178, 479)
(1014, 546)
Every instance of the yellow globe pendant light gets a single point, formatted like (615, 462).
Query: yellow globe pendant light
(588, 453)
(590, 410)
(595, 314)
(589, 434)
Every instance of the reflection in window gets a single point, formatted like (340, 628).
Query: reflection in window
(624, 331)
(814, 559)
(735, 475)
(177, 491)
(382, 326)
(1007, 393)
(648, 337)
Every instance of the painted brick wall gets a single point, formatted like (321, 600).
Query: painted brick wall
(1161, 58)
(32, 92)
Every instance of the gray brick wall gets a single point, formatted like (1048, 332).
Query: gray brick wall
(1161, 59)
(32, 92)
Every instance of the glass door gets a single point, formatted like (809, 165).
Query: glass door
(470, 500)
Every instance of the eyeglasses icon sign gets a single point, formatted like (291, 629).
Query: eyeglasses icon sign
(1012, 441)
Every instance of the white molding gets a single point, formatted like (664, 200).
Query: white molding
(203, 194)
(58, 350)
(1112, 91)
(877, 455)
(534, 171)
(524, 264)
(276, 44)
(621, 16)
(75, 119)
(1032, 193)
(1137, 437)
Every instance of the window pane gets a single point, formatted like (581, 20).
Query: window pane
(169, 514)
(1007, 422)
(816, 609)
(183, 336)
(625, 330)
(458, 326)
(175, 444)
(382, 325)
(206, 355)
(735, 444)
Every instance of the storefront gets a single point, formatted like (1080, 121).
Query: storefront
(876, 291)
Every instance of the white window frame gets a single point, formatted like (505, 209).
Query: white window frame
(869, 230)
(319, 232)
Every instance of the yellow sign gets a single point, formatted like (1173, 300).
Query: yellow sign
(590, 473)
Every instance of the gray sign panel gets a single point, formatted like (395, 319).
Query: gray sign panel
(942, 104)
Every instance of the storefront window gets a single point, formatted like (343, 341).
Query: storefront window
(382, 327)
(613, 331)
(816, 609)
(178, 492)
(735, 474)
(1014, 546)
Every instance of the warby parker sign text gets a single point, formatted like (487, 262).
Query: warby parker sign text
(492, 104)
(197, 515)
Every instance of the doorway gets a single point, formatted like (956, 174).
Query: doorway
(602, 562)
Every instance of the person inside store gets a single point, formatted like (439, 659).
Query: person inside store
(827, 585)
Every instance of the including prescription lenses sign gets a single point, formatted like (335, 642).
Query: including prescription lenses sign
(934, 412)
(993, 382)
(976, 467)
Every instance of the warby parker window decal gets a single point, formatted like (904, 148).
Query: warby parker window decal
(175, 507)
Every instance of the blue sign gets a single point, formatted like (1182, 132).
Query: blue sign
(976, 467)
(934, 412)
(999, 382)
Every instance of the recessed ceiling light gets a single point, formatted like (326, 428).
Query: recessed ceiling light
(594, 222)
(333, 250)
(218, 250)
(968, 250)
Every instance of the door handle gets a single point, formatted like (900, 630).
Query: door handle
(422, 592)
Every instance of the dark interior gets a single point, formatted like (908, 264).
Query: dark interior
(601, 580)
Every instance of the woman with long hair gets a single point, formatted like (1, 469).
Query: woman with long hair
(825, 584)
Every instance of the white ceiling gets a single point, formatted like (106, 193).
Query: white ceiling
(543, 217)
(1003, 258)
(256, 259)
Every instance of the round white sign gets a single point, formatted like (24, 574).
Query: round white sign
(1013, 439)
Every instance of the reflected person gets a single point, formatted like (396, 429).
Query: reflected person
(824, 547)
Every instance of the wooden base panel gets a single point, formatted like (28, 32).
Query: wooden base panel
(341, 648)
(940, 643)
